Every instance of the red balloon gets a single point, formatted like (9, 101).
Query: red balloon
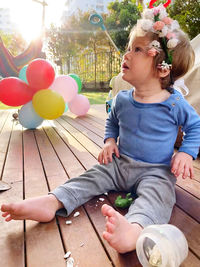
(14, 92)
(40, 74)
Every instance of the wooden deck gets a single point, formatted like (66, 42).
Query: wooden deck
(36, 161)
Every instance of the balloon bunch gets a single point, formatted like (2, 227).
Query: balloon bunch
(43, 95)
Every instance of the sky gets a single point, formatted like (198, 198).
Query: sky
(27, 15)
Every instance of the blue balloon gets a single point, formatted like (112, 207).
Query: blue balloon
(28, 117)
(66, 108)
(22, 74)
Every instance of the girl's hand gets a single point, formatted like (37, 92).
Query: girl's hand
(181, 163)
(110, 147)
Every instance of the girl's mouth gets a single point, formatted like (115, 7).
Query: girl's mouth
(124, 66)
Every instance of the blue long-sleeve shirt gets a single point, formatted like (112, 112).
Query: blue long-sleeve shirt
(147, 132)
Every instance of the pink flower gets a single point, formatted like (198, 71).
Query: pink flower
(167, 20)
(170, 35)
(156, 10)
(158, 25)
(152, 52)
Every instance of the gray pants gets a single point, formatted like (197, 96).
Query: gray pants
(154, 185)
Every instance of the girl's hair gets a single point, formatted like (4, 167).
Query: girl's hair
(183, 55)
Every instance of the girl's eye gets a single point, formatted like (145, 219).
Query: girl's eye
(137, 49)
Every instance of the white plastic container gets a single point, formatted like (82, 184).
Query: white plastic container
(161, 246)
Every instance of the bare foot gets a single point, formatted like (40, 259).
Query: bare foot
(41, 209)
(120, 234)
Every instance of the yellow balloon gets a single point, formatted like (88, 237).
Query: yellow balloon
(48, 104)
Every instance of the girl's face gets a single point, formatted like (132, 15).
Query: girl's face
(137, 66)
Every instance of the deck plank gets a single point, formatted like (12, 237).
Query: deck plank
(43, 243)
(91, 125)
(189, 227)
(88, 143)
(79, 151)
(190, 185)
(12, 234)
(5, 131)
(189, 203)
(96, 119)
(85, 131)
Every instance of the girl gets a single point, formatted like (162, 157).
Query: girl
(145, 121)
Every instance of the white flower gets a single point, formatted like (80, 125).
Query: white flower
(146, 24)
(139, 31)
(163, 12)
(165, 66)
(154, 47)
(154, 44)
(172, 43)
(148, 14)
(174, 25)
(163, 32)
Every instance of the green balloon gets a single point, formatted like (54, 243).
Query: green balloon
(66, 108)
(22, 74)
(78, 81)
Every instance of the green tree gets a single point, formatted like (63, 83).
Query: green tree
(122, 17)
(59, 44)
(187, 13)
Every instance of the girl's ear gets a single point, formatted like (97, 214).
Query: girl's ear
(163, 72)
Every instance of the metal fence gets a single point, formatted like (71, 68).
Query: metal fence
(94, 69)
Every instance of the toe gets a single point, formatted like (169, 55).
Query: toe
(108, 210)
(112, 219)
(107, 236)
(111, 212)
(9, 218)
(104, 209)
(5, 214)
(3, 207)
(110, 227)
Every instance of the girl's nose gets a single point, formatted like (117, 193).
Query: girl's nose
(127, 55)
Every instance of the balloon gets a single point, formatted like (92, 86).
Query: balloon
(14, 92)
(79, 105)
(48, 104)
(22, 74)
(66, 108)
(78, 81)
(40, 74)
(28, 117)
(65, 86)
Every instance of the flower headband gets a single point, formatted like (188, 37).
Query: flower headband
(156, 20)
